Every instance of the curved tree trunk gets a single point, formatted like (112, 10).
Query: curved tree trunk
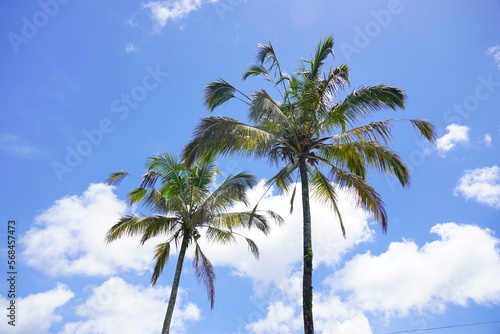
(175, 284)
(307, 289)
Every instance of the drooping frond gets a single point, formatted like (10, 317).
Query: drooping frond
(217, 93)
(136, 195)
(162, 253)
(366, 196)
(133, 225)
(360, 104)
(264, 110)
(223, 136)
(158, 225)
(252, 246)
(116, 178)
(358, 156)
(324, 191)
(257, 69)
(218, 235)
(205, 274)
(426, 129)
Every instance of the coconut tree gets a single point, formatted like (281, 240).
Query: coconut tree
(184, 206)
(311, 129)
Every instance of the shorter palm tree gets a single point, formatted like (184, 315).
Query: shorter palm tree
(182, 206)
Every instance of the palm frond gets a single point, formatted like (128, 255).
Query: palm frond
(223, 136)
(253, 247)
(217, 93)
(366, 196)
(162, 253)
(257, 69)
(264, 109)
(136, 195)
(362, 103)
(205, 274)
(323, 50)
(426, 129)
(324, 191)
(116, 178)
(215, 234)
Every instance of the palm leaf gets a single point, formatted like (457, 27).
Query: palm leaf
(116, 178)
(162, 253)
(205, 274)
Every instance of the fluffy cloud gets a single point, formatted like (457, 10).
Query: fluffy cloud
(463, 266)
(285, 242)
(68, 238)
(12, 144)
(481, 185)
(456, 134)
(494, 51)
(36, 313)
(163, 11)
(118, 307)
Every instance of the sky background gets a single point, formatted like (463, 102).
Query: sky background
(93, 87)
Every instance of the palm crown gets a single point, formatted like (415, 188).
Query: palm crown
(312, 130)
(184, 204)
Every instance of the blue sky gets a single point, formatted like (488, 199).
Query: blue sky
(89, 88)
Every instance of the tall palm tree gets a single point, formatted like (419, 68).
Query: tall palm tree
(309, 127)
(182, 206)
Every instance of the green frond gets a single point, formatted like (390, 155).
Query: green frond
(223, 136)
(205, 274)
(218, 235)
(324, 192)
(126, 226)
(137, 195)
(426, 129)
(265, 53)
(149, 179)
(366, 196)
(362, 103)
(284, 178)
(217, 93)
(116, 178)
(257, 69)
(162, 253)
(263, 109)
(252, 246)
(323, 50)
(156, 226)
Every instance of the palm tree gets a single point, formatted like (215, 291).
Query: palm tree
(312, 129)
(182, 206)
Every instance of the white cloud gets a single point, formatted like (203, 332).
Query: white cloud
(481, 185)
(163, 11)
(131, 48)
(116, 307)
(68, 238)
(487, 139)
(12, 144)
(494, 51)
(463, 266)
(36, 313)
(285, 242)
(456, 134)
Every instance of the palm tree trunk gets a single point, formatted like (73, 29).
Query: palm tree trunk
(307, 289)
(175, 284)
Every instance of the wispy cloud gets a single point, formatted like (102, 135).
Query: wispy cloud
(131, 48)
(481, 185)
(487, 139)
(456, 134)
(13, 144)
(164, 11)
(494, 51)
